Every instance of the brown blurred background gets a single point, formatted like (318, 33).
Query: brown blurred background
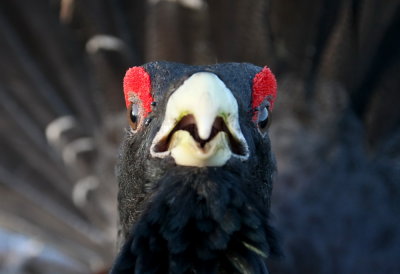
(335, 128)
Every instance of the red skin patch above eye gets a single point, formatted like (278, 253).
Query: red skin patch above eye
(137, 81)
(264, 87)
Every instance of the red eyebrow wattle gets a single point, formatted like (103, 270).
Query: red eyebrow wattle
(264, 87)
(138, 81)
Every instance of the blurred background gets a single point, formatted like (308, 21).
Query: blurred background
(335, 128)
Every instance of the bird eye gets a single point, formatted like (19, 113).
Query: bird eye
(134, 116)
(263, 120)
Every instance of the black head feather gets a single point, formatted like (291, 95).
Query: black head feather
(177, 219)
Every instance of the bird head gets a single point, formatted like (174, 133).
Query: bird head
(195, 169)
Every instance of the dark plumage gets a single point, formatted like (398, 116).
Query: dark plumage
(182, 219)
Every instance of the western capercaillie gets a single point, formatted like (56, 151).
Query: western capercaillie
(195, 169)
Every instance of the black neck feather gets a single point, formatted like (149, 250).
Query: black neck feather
(199, 221)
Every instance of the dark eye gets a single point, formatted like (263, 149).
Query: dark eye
(134, 116)
(263, 119)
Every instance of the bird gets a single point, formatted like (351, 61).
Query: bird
(195, 169)
(335, 127)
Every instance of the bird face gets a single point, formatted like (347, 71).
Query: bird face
(196, 162)
(200, 125)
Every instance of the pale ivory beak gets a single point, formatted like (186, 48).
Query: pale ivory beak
(201, 124)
